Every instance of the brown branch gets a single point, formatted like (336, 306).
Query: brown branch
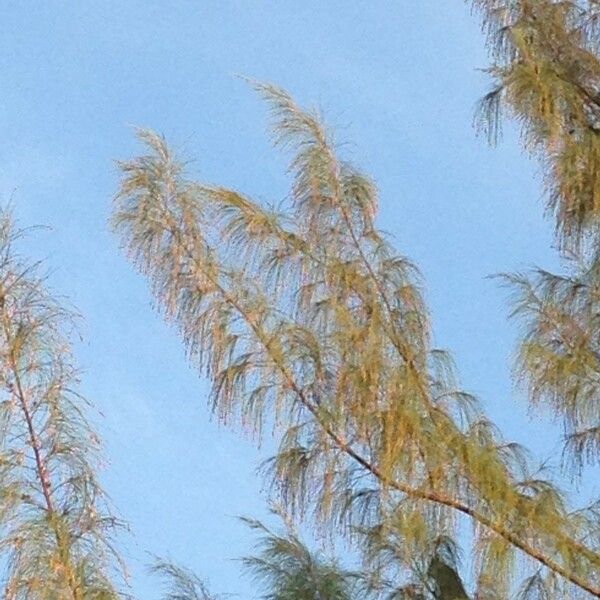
(340, 442)
(41, 469)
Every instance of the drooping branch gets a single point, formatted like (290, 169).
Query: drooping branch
(334, 331)
(546, 73)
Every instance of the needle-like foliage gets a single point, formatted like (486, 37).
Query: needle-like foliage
(54, 523)
(559, 356)
(286, 569)
(180, 583)
(546, 70)
(431, 575)
(308, 320)
(547, 73)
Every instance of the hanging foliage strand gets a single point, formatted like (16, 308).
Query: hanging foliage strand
(306, 319)
(55, 522)
(547, 76)
(546, 73)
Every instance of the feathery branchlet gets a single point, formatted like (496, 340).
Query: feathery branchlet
(546, 71)
(56, 527)
(307, 320)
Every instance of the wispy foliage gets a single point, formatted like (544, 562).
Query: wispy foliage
(559, 357)
(180, 583)
(309, 319)
(547, 73)
(433, 574)
(547, 76)
(55, 525)
(286, 569)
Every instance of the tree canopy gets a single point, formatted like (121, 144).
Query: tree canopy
(313, 328)
(306, 318)
(56, 527)
(547, 77)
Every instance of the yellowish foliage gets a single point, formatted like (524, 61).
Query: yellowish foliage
(308, 321)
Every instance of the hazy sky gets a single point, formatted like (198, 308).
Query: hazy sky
(398, 79)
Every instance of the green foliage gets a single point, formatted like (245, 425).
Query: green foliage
(181, 584)
(55, 527)
(547, 76)
(432, 575)
(287, 570)
(306, 319)
(547, 73)
(559, 356)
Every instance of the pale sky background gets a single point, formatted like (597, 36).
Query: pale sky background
(398, 79)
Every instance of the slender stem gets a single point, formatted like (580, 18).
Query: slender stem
(408, 359)
(431, 496)
(34, 442)
(41, 469)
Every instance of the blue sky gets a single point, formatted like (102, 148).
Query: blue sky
(398, 80)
